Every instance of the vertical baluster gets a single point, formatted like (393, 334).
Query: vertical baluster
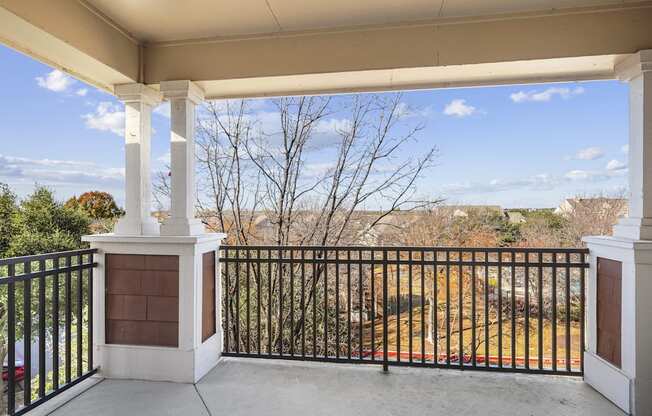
(27, 335)
(303, 302)
(360, 322)
(460, 311)
(473, 318)
(435, 306)
(11, 341)
(410, 303)
(237, 301)
(398, 305)
(500, 309)
(90, 312)
(582, 300)
(554, 312)
(568, 314)
(486, 310)
(349, 303)
(314, 304)
(41, 330)
(448, 308)
(227, 300)
(55, 326)
(248, 290)
(291, 267)
(540, 311)
(259, 312)
(423, 307)
(337, 303)
(373, 306)
(80, 309)
(325, 303)
(279, 272)
(385, 311)
(513, 308)
(527, 310)
(269, 302)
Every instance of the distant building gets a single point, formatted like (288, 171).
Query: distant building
(571, 205)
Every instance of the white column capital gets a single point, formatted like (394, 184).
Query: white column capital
(182, 89)
(129, 93)
(634, 65)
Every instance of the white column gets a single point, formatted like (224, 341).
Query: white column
(183, 97)
(637, 71)
(139, 101)
(628, 385)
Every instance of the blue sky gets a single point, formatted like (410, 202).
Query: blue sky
(516, 146)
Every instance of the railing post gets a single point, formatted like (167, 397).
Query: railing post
(385, 361)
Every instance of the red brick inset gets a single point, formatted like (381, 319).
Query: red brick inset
(142, 300)
(208, 295)
(609, 309)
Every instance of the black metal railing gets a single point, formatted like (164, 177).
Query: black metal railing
(46, 305)
(510, 309)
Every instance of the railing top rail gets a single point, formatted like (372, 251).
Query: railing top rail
(45, 256)
(570, 250)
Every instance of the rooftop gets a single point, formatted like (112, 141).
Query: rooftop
(249, 387)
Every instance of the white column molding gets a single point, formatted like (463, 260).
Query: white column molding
(183, 97)
(637, 71)
(139, 101)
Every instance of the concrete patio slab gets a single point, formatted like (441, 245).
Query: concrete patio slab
(271, 387)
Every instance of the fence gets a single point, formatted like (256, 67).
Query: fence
(509, 309)
(46, 304)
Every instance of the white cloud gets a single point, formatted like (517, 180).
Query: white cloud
(586, 175)
(59, 171)
(404, 110)
(82, 92)
(55, 81)
(625, 149)
(616, 165)
(459, 108)
(589, 153)
(107, 117)
(545, 95)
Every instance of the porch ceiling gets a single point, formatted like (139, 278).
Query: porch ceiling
(171, 20)
(286, 47)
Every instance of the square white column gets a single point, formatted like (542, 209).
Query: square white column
(637, 71)
(183, 97)
(139, 101)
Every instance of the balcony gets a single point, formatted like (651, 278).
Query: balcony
(393, 326)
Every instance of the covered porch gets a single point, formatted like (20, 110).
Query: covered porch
(161, 345)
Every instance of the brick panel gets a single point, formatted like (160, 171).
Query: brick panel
(208, 295)
(142, 300)
(162, 309)
(609, 304)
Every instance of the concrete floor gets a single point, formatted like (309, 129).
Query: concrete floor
(262, 387)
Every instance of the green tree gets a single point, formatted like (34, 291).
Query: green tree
(43, 225)
(7, 211)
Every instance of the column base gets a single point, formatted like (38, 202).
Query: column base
(149, 306)
(182, 226)
(129, 226)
